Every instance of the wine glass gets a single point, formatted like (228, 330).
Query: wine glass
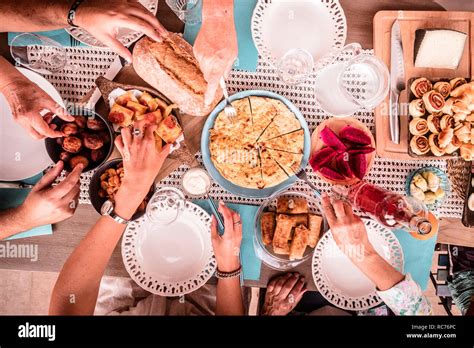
(49, 56)
(188, 11)
(295, 66)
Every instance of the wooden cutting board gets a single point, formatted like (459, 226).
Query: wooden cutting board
(410, 21)
(192, 126)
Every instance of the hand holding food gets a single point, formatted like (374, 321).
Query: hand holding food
(283, 294)
(29, 103)
(348, 230)
(227, 247)
(141, 164)
(46, 204)
(216, 45)
(104, 18)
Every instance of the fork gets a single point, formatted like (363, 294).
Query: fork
(301, 174)
(229, 110)
(73, 41)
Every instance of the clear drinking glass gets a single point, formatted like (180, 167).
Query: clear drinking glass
(165, 206)
(188, 11)
(348, 86)
(295, 66)
(49, 56)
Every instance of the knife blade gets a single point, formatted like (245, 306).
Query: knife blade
(113, 70)
(397, 81)
(15, 185)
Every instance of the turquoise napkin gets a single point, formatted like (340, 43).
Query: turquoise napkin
(60, 35)
(250, 262)
(11, 198)
(248, 54)
(418, 256)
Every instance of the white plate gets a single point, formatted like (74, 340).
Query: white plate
(124, 35)
(170, 260)
(340, 281)
(318, 26)
(21, 156)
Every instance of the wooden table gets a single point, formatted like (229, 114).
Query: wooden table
(54, 250)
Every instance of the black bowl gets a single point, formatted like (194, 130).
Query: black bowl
(94, 187)
(54, 149)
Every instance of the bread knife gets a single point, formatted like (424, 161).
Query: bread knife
(397, 81)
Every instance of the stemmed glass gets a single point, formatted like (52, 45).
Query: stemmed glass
(295, 66)
(188, 11)
(49, 56)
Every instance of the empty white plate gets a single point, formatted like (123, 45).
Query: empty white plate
(340, 281)
(316, 26)
(21, 156)
(170, 260)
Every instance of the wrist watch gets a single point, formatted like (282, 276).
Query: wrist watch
(108, 209)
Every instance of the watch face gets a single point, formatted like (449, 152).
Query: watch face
(107, 208)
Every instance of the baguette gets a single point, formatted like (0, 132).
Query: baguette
(171, 68)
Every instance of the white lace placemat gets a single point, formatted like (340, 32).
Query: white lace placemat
(74, 83)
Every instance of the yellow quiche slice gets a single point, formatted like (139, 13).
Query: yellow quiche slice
(289, 162)
(290, 142)
(272, 173)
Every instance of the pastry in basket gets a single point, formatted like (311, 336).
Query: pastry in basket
(434, 101)
(443, 88)
(421, 86)
(291, 229)
(243, 137)
(299, 242)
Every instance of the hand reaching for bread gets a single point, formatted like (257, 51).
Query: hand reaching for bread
(103, 19)
(216, 45)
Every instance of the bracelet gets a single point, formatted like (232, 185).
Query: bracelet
(71, 15)
(227, 275)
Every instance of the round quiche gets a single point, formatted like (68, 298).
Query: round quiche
(259, 148)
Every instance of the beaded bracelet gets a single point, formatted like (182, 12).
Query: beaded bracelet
(71, 15)
(227, 275)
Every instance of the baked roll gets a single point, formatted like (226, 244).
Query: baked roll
(421, 86)
(445, 137)
(455, 83)
(451, 148)
(420, 145)
(314, 224)
(460, 117)
(463, 132)
(292, 206)
(419, 126)
(447, 108)
(417, 108)
(447, 121)
(467, 152)
(299, 242)
(300, 219)
(434, 145)
(434, 123)
(434, 101)
(267, 227)
(170, 67)
(443, 88)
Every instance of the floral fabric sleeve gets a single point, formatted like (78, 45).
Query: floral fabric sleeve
(406, 298)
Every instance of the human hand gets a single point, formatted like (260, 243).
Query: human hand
(104, 18)
(216, 46)
(348, 230)
(141, 163)
(48, 205)
(27, 102)
(283, 294)
(227, 247)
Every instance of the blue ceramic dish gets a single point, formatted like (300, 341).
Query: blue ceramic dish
(247, 192)
(444, 184)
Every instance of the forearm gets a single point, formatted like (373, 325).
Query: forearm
(378, 270)
(32, 15)
(77, 287)
(221, 8)
(229, 297)
(9, 74)
(11, 222)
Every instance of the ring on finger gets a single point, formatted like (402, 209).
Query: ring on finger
(137, 132)
(238, 222)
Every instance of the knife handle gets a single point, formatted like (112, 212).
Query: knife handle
(394, 117)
